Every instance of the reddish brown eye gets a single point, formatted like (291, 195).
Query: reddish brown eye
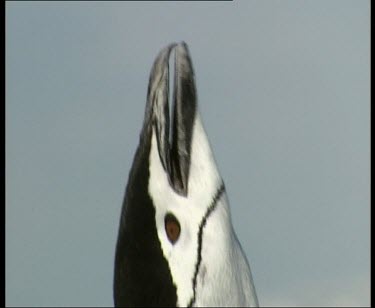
(172, 227)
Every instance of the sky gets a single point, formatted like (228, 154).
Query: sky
(284, 93)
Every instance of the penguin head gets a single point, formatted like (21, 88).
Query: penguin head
(184, 178)
(173, 188)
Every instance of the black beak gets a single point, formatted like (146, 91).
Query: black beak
(174, 152)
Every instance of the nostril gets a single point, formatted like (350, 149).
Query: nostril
(172, 227)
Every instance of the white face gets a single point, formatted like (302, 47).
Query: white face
(192, 217)
(204, 182)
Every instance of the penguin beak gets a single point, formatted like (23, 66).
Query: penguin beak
(174, 146)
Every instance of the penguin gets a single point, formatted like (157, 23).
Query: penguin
(176, 244)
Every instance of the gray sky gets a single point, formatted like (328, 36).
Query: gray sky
(284, 93)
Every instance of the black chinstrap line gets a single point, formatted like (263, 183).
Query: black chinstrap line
(210, 209)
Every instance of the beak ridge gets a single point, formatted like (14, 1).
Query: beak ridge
(185, 101)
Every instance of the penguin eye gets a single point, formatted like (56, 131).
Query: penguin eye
(172, 227)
